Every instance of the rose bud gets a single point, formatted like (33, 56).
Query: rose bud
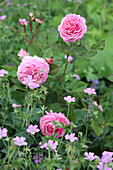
(33, 18)
(49, 60)
(30, 14)
(39, 21)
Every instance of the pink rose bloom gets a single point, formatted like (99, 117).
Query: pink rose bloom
(36, 67)
(46, 124)
(72, 28)
(22, 53)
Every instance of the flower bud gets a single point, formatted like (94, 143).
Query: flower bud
(49, 60)
(39, 21)
(33, 18)
(30, 14)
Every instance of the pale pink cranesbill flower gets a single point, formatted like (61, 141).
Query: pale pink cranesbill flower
(100, 107)
(77, 76)
(3, 133)
(19, 141)
(7, 0)
(15, 105)
(2, 72)
(69, 99)
(9, 3)
(18, 5)
(71, 137)
(70, 58)
(50, 143)
(90, 156)
(23, 22)
(26, 4)
(32, 129)
(22, 53)
(3, 17)
(103, 166)
(89, 91)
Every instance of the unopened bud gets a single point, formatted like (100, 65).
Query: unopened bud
(30, 14)
(39, 21)
(33, 18)
(49, 60)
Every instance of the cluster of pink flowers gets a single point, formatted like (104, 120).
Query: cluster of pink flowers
(15, 105)
(22, 53)
(3, 17)
(19, 141)
(105, 160)
(3, 133)
(90, 156)
(50, 144)
(46, 124)
(70, 58)
(89, 91)
(23, 22)
(72, 28)
(33, 71)
(71, 137)
(69, 99)
(32, 129)
(77, 76)
(99, 106)
(2, 72)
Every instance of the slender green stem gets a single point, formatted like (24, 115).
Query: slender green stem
(68, 110)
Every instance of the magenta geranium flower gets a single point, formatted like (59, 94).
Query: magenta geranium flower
(69, 99)
(32, 129)
(77, 76)
(19, 141)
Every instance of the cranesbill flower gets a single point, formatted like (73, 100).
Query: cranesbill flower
(3, 17)
(26, 4)
(90, 156)
(19, 141)
(18, 5)
(3, 133)
(50, 143)
(70, 58)
(23, 22)
(2, 72)
(9, 3)
(77, 76)
(15, 105)
(71, 137)
(69, 99)
(32, 129)
(89, 91)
